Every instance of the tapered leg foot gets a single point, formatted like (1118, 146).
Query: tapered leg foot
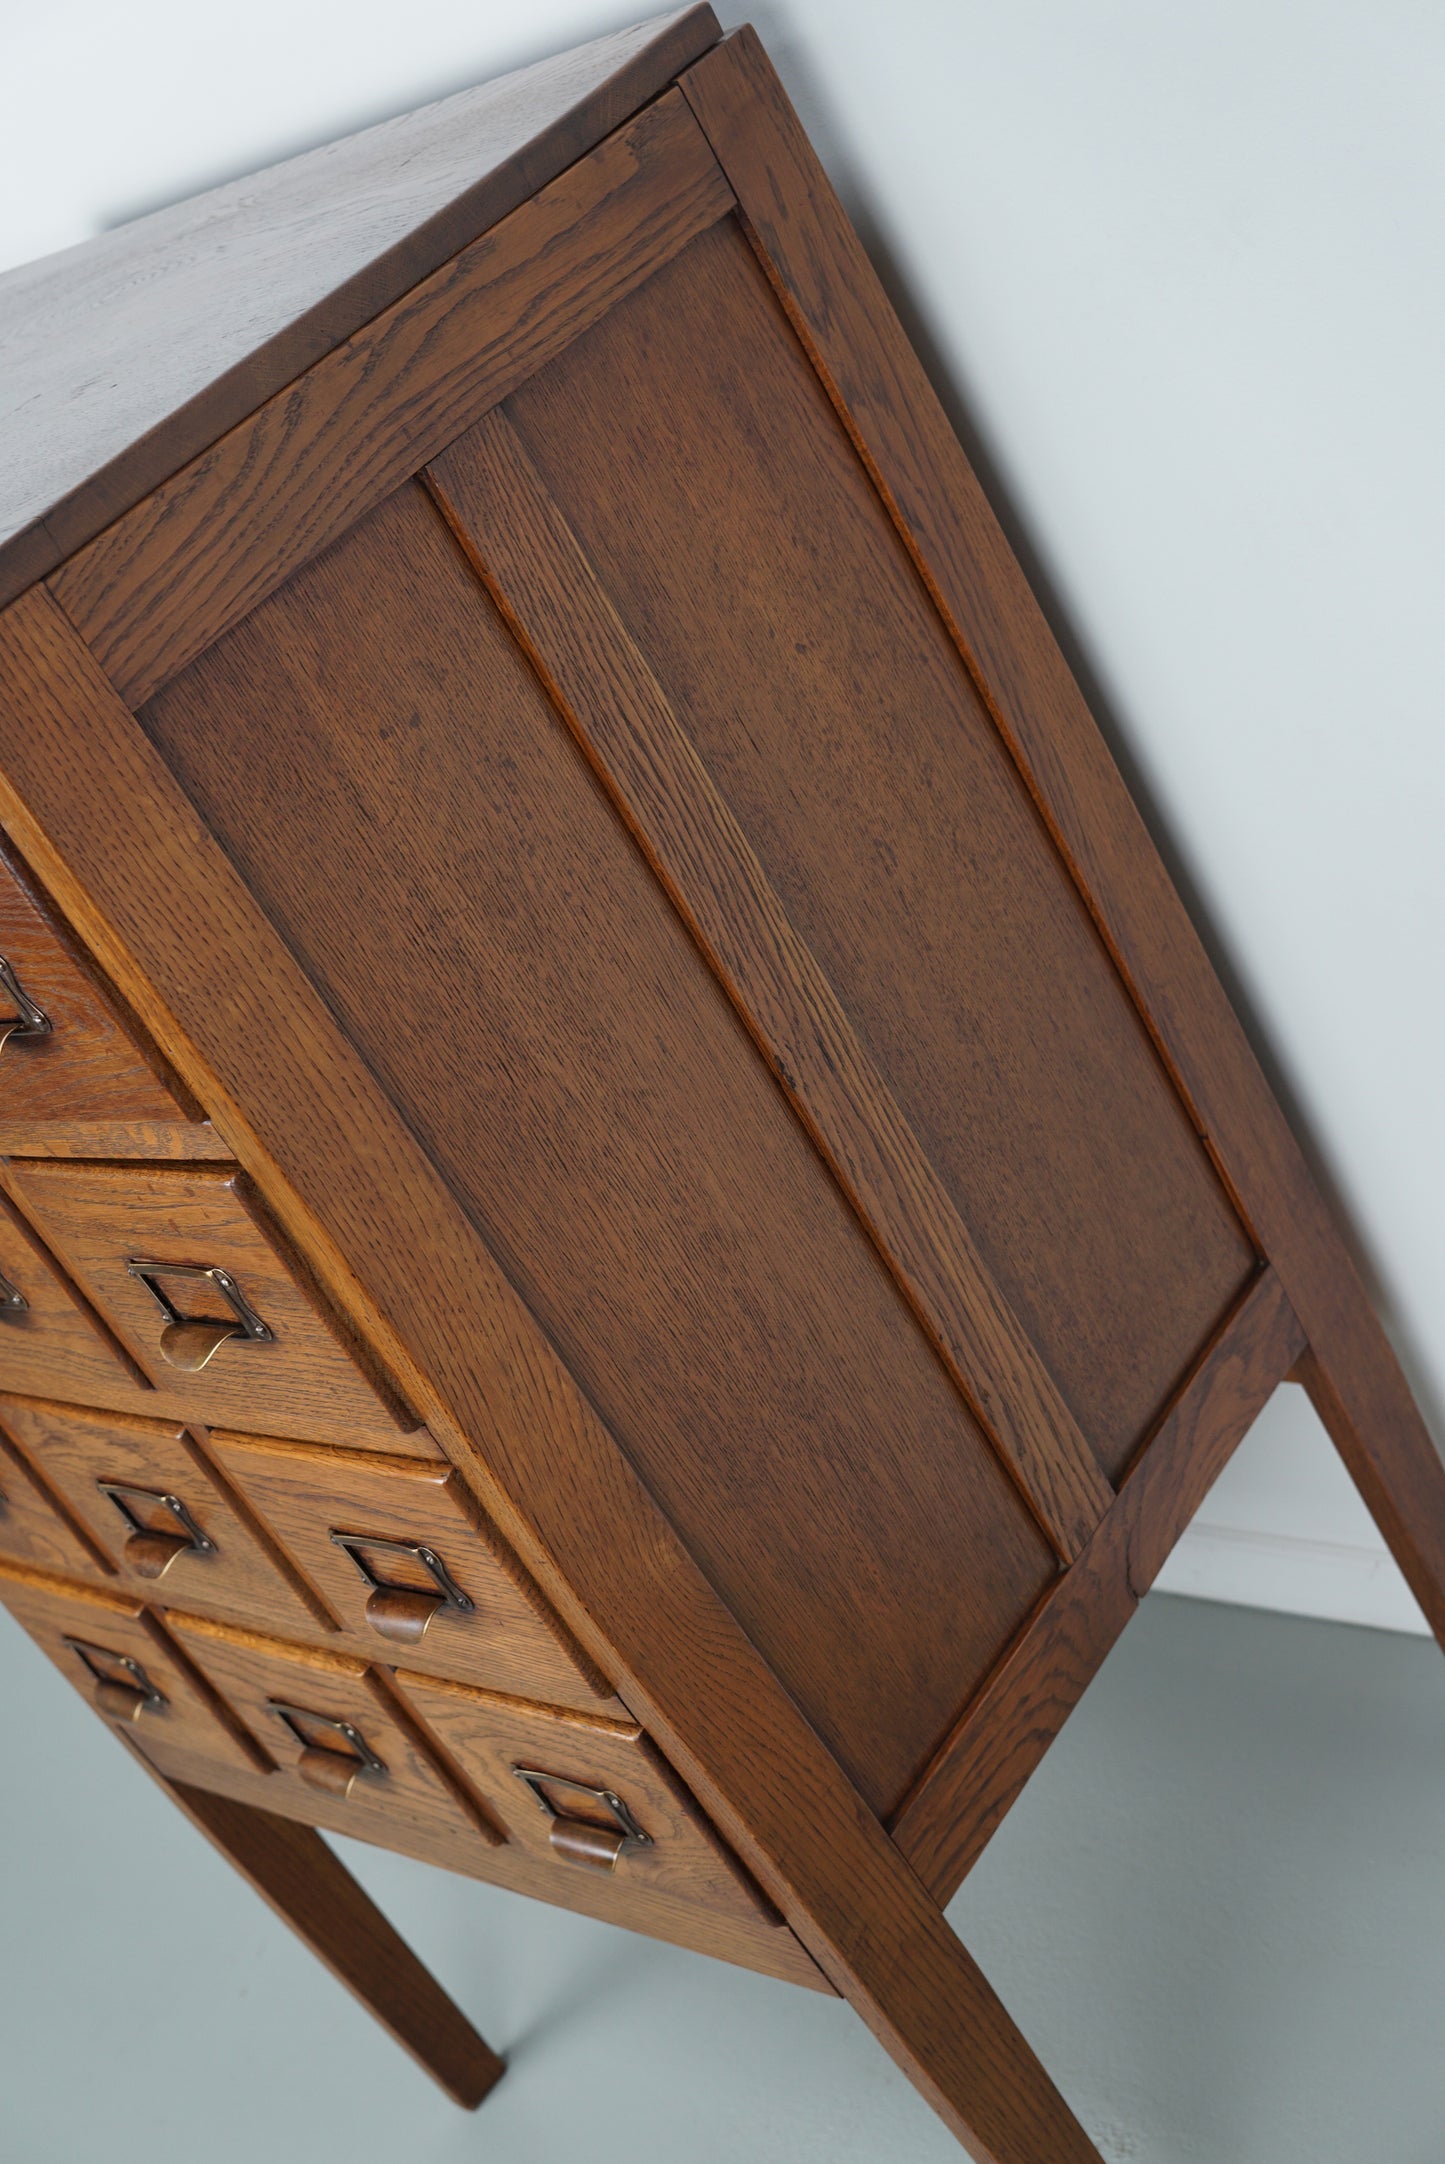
(1374, 1423)
(308, 1886)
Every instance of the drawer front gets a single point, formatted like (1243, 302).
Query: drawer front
(410, 1569)
(348, 1757)
(120, 1659)
(49, 1345)
(583, 1795)
(155, 1509)
(190, 1278)
(67, 1058)
(32, 1529)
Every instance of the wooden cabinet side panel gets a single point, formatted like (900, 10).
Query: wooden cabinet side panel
(568, 1061)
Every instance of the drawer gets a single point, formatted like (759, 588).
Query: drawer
(123, 1662)
(50, 1345)
(155, 1509)
(183, 1266)
(405, 1561)
(583, 1795)
(32, 1529)
(348, 1756)
(68, 1059)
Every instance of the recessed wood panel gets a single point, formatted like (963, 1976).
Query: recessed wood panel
(448, 873)
(696, 457)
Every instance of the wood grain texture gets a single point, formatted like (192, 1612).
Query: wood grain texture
(842, 316)
(488, 1737)
(103, 1138)
(162, 583)
(750, 1941)
(983, 1765)
(56, 1346)
(351, 1181)
(684, 1247)
(253, 1673)
(305, 1883)
(123, 358)
(243, 1578)
(512, 1642)
(692, 451)
(556, 608)
(34, 1528)
(92, 1068)
(97, 1217)
(194, 1728)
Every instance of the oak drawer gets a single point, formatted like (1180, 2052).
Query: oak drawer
(186, 1270)
(72, 1073)
(123, 1662)
(32, 1529)
(348, 1756)
(583, 1795)
(50, 1346)
(155, 1509)
(410, 1568)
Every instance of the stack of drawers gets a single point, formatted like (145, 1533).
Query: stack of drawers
(221, 1523)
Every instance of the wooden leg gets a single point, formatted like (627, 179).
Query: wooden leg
(1374, 1423)
(293, 1870)
(936, 2015)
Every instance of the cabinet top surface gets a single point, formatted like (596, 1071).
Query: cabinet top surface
(122, 358)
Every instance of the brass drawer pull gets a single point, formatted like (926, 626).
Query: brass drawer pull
(123, 1690)
(28, 1021)
(12, 1299)
(403, 1613)
(581, 1840)
(151, 1550)
(189, 1341)
(321, 1765)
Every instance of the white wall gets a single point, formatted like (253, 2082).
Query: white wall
(1182, 266)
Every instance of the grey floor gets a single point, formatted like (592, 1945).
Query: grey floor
(1219, 1914)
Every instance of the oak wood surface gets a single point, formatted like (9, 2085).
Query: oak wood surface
(194, 1728)
(512, 1643)
(441, 835)
(34, 1528)
(742, 544)
(123, 358)
(91, 1068)
(309, 1888)
(984, 1763)
(550, 596)
(843, 318)
(488, 1737)
(98, 1217)
(354, 1185)
(56, 1346)
(253, 1673)
(749, 1940)
(76, 1449)
(164, 581)
(108, 1138)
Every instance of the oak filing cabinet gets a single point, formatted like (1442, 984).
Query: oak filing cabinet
(632, 1219)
